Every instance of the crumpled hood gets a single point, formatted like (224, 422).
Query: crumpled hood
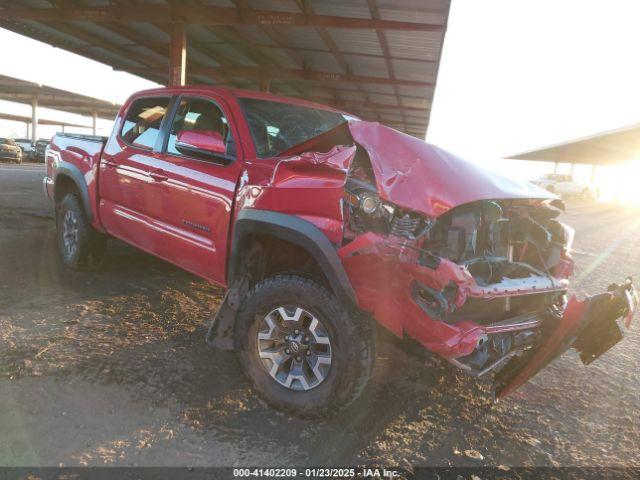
(422, 177)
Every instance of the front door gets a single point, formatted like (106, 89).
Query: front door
(195, 187)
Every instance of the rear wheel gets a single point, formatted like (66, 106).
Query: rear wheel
(79, 245)
(300, 348)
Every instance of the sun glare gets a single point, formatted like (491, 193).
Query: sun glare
(619, 184)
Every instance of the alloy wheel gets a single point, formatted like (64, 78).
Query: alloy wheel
(294, 347)
(70, 233)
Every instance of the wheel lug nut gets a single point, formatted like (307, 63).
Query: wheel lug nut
(308, 352)
(287, 351)
(296, 332)
(306, 339)
(298, 359)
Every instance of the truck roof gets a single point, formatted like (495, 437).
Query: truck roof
(239, 93)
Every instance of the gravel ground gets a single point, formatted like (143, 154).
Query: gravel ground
(111, 368)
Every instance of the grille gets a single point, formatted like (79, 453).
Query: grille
(405, 226)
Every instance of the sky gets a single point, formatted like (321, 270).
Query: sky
(515, 75)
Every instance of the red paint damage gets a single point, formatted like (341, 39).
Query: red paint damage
(413, 288)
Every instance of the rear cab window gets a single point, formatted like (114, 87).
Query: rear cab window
(276, 126)
(141, 125)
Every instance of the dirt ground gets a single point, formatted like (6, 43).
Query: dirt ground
(111, 368)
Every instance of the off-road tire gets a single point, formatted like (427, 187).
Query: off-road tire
(352, 337)
(90, 245)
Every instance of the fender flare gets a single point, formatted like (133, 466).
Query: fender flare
(68, 169)
(299, 232)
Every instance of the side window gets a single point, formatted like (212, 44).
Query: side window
(205, 119)
(142, 124)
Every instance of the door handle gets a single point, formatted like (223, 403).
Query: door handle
(109, 163)
(158, 175)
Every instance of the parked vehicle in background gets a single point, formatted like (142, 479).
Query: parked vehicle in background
(28, 149)
(563, 185)
(319, 225)
(9, 150)
(40, 149)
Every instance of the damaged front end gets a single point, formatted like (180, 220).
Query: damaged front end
(472, 265)
(484, 282)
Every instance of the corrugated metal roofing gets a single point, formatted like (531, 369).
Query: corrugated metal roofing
(376, 58)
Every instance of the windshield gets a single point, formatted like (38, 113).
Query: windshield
(276, 126)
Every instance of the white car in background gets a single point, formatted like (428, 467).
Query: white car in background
(563, 185)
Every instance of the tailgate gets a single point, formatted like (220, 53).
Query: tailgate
(591, 326)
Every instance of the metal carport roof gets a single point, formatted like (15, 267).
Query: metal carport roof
(604, 148)
(41, 121)
(22, 91)
(376, 58)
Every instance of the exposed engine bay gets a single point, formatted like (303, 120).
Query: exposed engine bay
(512, 249)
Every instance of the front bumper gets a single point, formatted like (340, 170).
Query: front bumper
(395, 302)
(590, 326)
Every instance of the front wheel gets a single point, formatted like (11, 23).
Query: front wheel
(300, 348)
(79, 245)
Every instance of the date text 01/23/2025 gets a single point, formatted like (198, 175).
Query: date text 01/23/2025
(362, 472)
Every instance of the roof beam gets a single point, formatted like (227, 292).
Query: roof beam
(208, 15)
(384, 46)
(266, 46)
(287, 74)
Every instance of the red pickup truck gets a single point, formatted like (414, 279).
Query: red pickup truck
(318, 223)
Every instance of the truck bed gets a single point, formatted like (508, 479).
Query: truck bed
(77, 157)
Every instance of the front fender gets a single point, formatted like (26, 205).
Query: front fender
(299, 232)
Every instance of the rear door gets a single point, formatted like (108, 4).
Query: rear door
(126, 199)
(194, 190)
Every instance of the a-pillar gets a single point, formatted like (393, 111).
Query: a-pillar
(34, 118)
(94, 123)
(178, 55)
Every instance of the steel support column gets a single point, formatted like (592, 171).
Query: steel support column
(555, 167)
(94, 123)
(593, 173)
(572, 167)
(178, 55)
(34, 118)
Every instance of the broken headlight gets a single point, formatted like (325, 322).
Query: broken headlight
(368, 212)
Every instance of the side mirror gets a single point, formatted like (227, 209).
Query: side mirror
(206, 140)
(206, 144)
